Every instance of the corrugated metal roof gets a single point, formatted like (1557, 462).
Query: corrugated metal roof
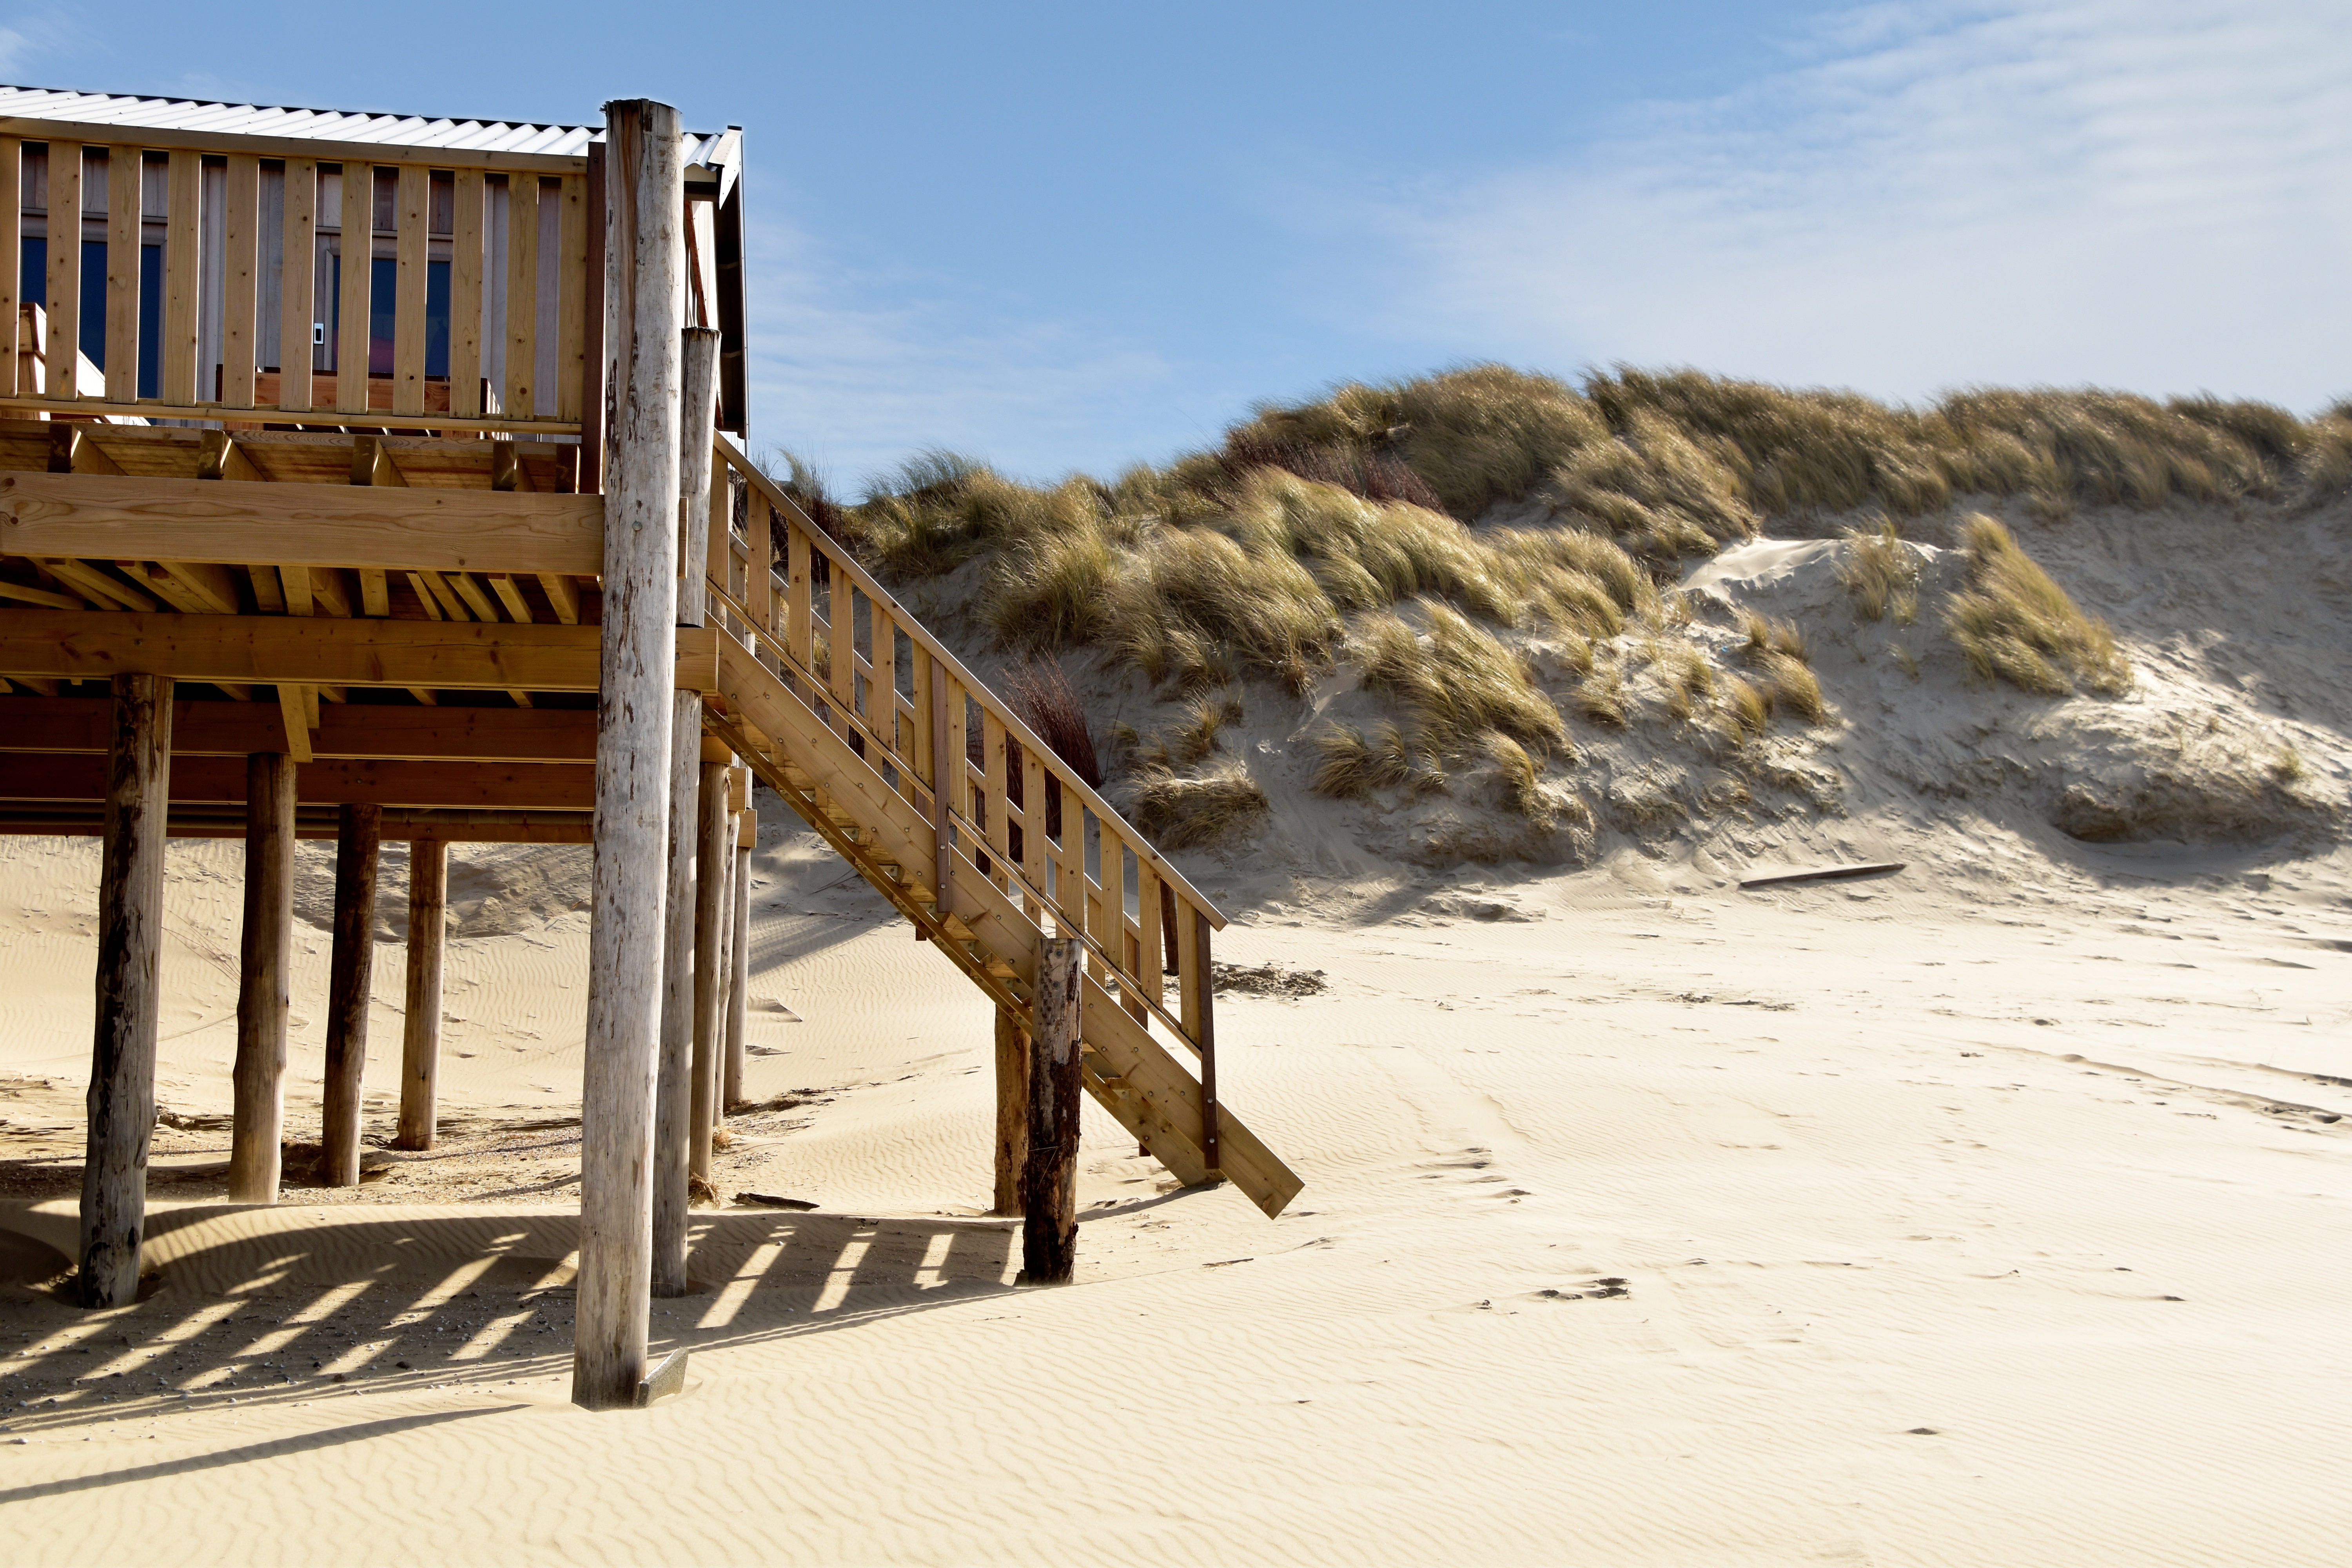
(720, 151)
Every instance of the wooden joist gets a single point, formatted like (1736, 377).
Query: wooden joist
(519, 787)
(451, 825)
(93, 516)
(374, 731)
(88, 645)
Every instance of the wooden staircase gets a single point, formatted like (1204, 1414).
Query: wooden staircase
(935, 791)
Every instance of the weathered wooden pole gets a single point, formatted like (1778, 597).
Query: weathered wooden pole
(645, 296)
(715, 852)
(739, 963)
(674, 1085)
(1049, 1186)
(265, 980)
(420, 1034)
(350, 979)
(1012, 1109)
(674, 1095)
(129, 951)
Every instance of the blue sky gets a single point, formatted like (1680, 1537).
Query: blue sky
(1062, 237)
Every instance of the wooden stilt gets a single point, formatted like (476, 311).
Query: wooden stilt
(1049, 1187)
(715, 852)
(1012, 1109)
(644, 296)
(129, 948)
(674, 1093)
(698, 406)
(1202, 991)
(739, 966)
(420, 1035)
(265, 980)
(350, 975)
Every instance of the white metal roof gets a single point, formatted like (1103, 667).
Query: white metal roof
(500, 142)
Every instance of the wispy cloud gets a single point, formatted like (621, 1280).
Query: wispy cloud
(855, 372)
(2147, 193)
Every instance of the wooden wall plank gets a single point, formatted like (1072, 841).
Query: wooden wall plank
(572, 301)
(298, 284)
(124, 221)
(356, 245)
(183, 280)
(466, 297)
(240, 281)
(414, 212)
(65, 271)
(12, 249)
(519, 396)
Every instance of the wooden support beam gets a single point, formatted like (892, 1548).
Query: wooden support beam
(1012, 1109)
(714, 855)
(294, 720)
(563, 597)
(382, 732)
(1049, 1188)
(149, 518)
(88, 645)
(511, 786)
(739, 966)
(351, 972)
(12, 228)
(129, 954)
(645, 295)
(265, 980)
(673, 1088)
(420, 1035)
(220, 456)
(699, 555)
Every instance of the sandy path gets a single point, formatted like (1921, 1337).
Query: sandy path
(1946, 1240)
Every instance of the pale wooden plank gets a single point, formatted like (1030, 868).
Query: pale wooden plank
(124, 232)
(800, 619)
(841, 623)
(466, 296)
(297, 281)
(240, 281)
(414, 217)
(357, 246)
(1151, 953)
(64, 272)
(12, 248)
(572, 300)
(520, 397)
(183, 280)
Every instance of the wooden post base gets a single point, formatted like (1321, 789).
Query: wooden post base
(1049, 1229)
(350, 983)
(1012, 1109)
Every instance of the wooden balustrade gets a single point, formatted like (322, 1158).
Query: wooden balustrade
(474, 308)
(1012, 809)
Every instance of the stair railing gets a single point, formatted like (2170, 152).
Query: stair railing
(1012, 809)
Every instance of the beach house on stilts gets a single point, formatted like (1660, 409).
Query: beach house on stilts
(367, 476)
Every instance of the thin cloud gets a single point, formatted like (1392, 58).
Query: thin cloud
(2145, 195)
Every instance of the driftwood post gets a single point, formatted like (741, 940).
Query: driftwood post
(130, 947)
(265, 980)
(420, 1035)
(739, 963)
(715, 852)
(1012, 1109)
(1049, 1187)
(645, 294)
(350, 975)
(674, 1098)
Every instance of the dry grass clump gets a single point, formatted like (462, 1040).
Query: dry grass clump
(2015, 623)
(1687, 676)
(1192, 738)
(1664, 494)
(1185, 813)
(1042, 695)
(1457, 685)
(1522, 780)
(1746, 710)
(1601, 697)
(1881, 574)
(1348, 763)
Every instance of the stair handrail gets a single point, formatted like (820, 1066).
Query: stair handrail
(838, 558)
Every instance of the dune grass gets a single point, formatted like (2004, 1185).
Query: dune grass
(1881, 574)
(2017, 625)
(1181, 812)
(1456, 685)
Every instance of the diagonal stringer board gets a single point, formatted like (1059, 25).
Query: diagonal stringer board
(891, 844)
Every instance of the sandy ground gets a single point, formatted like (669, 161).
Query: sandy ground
(1994, 1219)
